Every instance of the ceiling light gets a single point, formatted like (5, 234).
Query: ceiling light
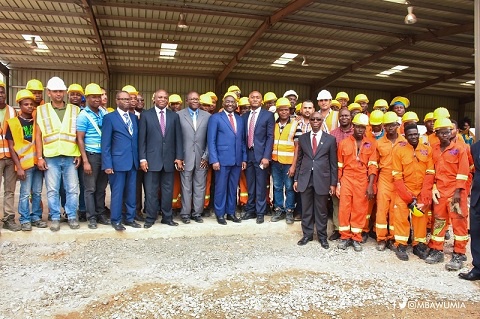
(168, 50)
(278, 65)
(304, 63)
(282, 61)
(396, 1)
(182, 24)
(33, 44)
(289, 56)
(468, 83)
(410, 18)
(400, 67)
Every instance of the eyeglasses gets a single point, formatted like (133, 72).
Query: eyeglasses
(313, 119)
(123, 99)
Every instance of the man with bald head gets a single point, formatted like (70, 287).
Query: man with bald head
(259, 125)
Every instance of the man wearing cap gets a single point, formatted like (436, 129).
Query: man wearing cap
(258, 124)
(194, 122)
(292, 96)
(357, 156)
(57, 151)
(36, 87)
(89, 136)
(330, 116)
(413, 173)
(160, 147)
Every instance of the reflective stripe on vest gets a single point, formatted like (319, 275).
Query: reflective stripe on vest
(25, 150)
(4, 150)
(283, 145)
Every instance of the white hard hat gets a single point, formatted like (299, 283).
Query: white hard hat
(273, 109)
(324, 95)
(56, 84)
(290, 92)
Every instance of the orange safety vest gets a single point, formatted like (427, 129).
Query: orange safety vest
(4, 150)
(283, 145)
(24, 149)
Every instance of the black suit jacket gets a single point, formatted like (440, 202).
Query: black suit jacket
(324, 163)
(475, 195)
(160, 151)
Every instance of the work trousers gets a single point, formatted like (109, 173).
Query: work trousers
(353, 207)
(384, 220)
(404, 222)
(95, 185)
(7, 172)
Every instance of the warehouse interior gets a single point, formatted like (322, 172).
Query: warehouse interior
(369, 46)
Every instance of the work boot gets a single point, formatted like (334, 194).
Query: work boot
(26, 226)
(92, 223)
(344, 243)
(334, 236)
(421, 250)
(40, 224)
(206, 212)
(402, 252)
(73, 223)
(447, 235)
(391, 245)
(102, 219)
(277, 215)
(381, 245)
(456, 263)
(435, 257)
(364, 237)
(357, 246)
(289, 217)
(10, 224)
(82, 216)
(55, 225)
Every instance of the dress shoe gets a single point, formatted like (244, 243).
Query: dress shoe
(221, 220)
(169, 222)
(260, 219)
(133, 224)
(118, 227)
(304, 241)
(197, 219)
(139, 217)
(324, 243)
(206, 212)
(234, 218)
(147, 225)
(364, 237)
(334, 236)
(185, 220)
(248, 216)
(471, 276)
(92, 223)
(101, 219)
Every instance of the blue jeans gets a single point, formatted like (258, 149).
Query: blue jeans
(61, 168)
(31, 185)
(282, 183)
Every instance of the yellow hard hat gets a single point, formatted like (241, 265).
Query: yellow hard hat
(414, 210)
(2, 84)
(232, 94)
(130, 89)
(298, 107)
(212, 95)
(24, 94)
(400, 100)
(234, 88)
(243, 101)
(380, 103)
(389, 117)
(75, 88)
(34, 85)
(342, 95)
(428, 117)
(93, 88)
(206, 99)
(269, 96)
(336, 103)
(440, 113)
(355, 106)
(360, 119)
(410, 116)
(442, 123)
(283, 101)
(175, 98)
(376, 117)
(361, 98)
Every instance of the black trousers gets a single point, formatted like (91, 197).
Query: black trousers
(314, 212)
(153, 182)
(475, 236)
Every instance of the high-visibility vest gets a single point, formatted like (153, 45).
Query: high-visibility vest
(59, 137)
(4, 150)
(25, 150)
(283, 145)
(330, 122)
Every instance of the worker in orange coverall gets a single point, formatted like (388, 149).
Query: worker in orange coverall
(450, 200)
(413, 174)
(357, 167)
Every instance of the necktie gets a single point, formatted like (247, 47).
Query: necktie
(314, 143)
(162, 122)
(230, 117)
(251, 129)
(128, 121)
(194, 120)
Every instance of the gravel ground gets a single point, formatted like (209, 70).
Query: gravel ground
(256, 276)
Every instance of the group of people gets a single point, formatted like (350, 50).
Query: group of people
(374, 171)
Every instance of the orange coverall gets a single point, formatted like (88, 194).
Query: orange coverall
(208, 187)
(243, 193)
(451, 172)
(386, 191)
(176, 198)
(413, 175)
(354, 168)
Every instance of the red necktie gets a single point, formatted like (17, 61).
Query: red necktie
(314, 143)
(230, 117)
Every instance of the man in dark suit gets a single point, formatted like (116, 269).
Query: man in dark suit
(226, 147)
(120, 160)
(259, 125)
(474, 274)
(160, 146)
(316, 178)
(194, 124)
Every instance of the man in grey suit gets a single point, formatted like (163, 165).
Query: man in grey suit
(160, 149)
(194, 124)
(315, 178)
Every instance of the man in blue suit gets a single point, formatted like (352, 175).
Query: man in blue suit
(226, 146)
(120, 160)
(259, 125)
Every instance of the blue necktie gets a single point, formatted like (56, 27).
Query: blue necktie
(129, 123)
